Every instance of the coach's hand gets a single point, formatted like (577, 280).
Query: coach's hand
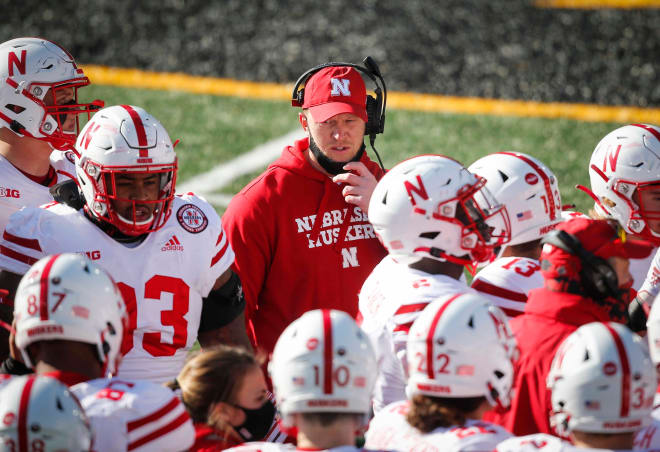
(359, 184)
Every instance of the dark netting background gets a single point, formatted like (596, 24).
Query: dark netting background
(503, 49)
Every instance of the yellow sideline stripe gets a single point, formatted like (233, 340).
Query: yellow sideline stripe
(134, 78)
(597, 4)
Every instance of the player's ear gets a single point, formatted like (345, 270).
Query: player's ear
(303, 120)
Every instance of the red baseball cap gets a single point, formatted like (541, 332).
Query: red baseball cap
(601, 238)
(334, 90)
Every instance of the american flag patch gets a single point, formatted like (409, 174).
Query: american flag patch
(526, 215)
(298, 381)
(592, 405)
(80, 311)
(465, 370)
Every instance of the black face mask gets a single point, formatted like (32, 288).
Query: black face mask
(332, 166)
(257, 422)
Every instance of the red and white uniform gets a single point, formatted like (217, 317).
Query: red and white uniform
(507, 281)
(390, 300)
(649, 288)
(389, 429)
(163, 279)
(271, 447)
(540, 441)
(648, 438)
(17, 190)
(134, 416)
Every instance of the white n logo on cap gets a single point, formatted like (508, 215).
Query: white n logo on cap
(340, 87)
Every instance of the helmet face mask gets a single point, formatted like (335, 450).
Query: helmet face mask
(39, 91)
(127, 169)
(623, 172)
(431, 206)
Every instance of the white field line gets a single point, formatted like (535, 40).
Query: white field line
(206, 184)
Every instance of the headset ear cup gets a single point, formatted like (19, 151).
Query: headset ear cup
(372, 116)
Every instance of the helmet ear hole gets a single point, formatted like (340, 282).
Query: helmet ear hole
(429, 235)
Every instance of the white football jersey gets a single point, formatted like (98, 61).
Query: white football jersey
(139, 416)
(17, 190)
(650, 287)
(390, 429)
(162, 280)
(648, 438)
(272, 447)
(506, 283)
(541, 441)
(390, 300)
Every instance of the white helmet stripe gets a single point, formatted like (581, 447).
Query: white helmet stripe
(429, 338)
(327, 352)
(23, 414)
(625, 368)
(544, 177)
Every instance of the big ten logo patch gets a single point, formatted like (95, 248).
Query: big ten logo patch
(9, 193)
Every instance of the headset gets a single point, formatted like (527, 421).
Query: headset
(375, 106)
(598, 278)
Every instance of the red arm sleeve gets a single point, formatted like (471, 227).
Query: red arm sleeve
(246, 226)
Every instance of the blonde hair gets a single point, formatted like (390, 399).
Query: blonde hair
(211, 376)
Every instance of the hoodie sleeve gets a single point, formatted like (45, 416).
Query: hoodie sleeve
(251, 238)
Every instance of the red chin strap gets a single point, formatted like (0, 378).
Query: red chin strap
(471, 265)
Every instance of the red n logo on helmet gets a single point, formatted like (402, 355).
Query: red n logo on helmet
(420, 190)
(87, 137)
(13, 60)
(612, 156)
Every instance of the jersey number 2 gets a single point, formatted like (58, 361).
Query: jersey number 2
(154, 287)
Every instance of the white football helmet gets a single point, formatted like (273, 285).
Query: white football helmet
(33, 72)
(68, 297)
(323, 362)
(602, 381)
(431, 206)
(123, 139)
(527, 188)
(40, 414)
(624, 164)
(461, 346)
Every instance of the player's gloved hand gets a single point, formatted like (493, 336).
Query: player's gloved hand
(359, 184)
(636, 316)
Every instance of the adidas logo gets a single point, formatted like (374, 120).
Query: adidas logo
(172, 244)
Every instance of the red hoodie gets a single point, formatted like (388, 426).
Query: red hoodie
(288, 262)
(548, 319)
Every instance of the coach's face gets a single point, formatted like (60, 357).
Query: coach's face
(134, 194)
(339, 137)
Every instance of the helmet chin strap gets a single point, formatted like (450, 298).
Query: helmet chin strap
(332, 167)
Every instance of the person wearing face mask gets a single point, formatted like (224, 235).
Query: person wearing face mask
(224, 390)
(585, 268)
(300, 230)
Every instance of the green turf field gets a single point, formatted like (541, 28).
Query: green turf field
(216, 129)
